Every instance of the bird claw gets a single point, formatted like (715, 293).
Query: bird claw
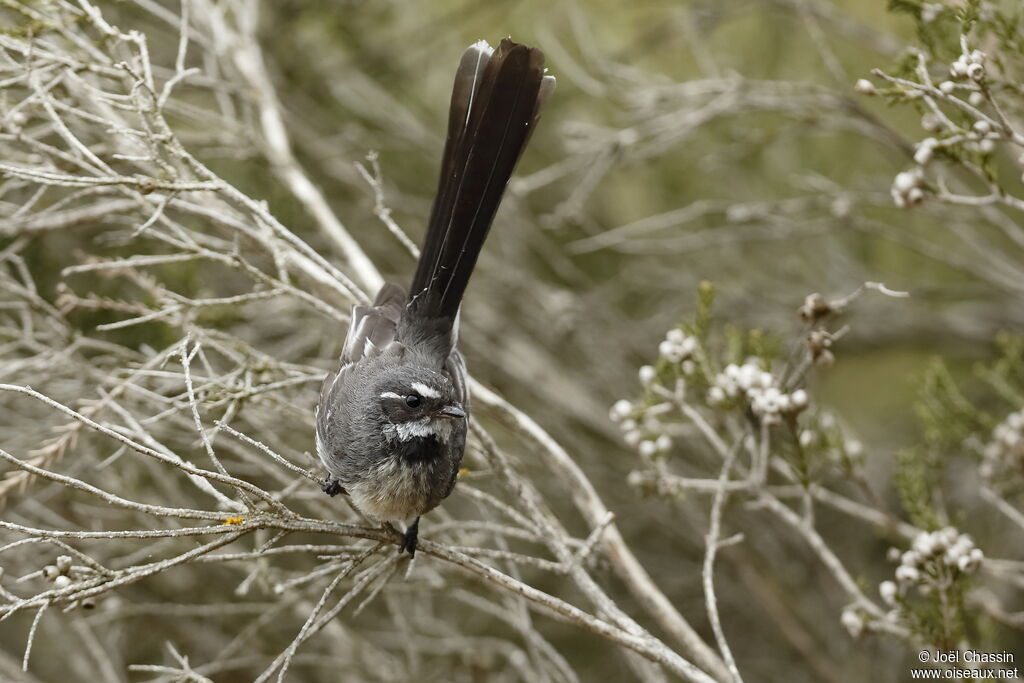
(410, 538)
(331, 487)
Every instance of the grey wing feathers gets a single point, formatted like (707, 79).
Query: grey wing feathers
(374, 327)
(332, 383)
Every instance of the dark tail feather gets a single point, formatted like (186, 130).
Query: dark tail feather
(496, 101)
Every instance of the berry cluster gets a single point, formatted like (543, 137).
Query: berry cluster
(757, 386)
(907, 187)
(677, 347)
(969, 66)
(853, 621)
(635, 421)
(1004, 455)
(934, 562)
(62, 574)
(930, 561)
(966, 75)
(639, 423)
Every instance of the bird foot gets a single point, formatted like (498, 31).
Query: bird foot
(331, 486)
(410, 538)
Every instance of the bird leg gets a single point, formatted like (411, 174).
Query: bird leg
(409, 539)
(331, 486)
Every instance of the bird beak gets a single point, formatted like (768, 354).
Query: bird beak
(455, 411)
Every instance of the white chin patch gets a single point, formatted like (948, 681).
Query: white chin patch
(440, 427)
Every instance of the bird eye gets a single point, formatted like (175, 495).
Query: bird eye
(413, 401)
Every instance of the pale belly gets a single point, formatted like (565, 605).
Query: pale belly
(394, 490)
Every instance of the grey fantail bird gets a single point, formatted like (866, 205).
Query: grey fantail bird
(391, 423)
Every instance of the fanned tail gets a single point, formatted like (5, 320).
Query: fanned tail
(496, 102)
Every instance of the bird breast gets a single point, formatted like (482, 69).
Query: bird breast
(397, 489)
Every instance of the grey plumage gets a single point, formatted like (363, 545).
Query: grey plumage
(388, 477)
(391, 422)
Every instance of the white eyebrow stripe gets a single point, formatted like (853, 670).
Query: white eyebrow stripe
(424, 390)
(391, 394)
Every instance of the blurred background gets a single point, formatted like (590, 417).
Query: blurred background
(717, 141)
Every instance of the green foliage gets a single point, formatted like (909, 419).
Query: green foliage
(701, 326)
(1007, 26)
(937, 31)
(30, 29)
(940, 617)
(904, 67)
(968, 14)
(830, 450)
(1006, 374)
(951, 412)
(915, 480)
(947, 417)
(29, 23)
(742, 343)
(912, 7)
